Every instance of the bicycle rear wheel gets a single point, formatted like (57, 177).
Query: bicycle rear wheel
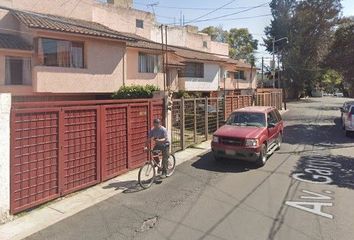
(171, 165)
(146, 175)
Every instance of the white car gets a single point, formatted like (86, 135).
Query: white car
(348, 118)
(339, 94)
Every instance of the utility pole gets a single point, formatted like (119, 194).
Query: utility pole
(262, 71)
(273, 64)
(166, 60)
(280, 85)
(163, 58)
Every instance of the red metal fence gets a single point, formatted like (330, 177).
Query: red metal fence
(61, 147)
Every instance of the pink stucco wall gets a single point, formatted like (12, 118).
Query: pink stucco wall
(103, 72)
(137, 78)
(232, 83)
(117, 18)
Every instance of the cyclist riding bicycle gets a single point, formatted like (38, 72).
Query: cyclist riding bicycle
(162, 143)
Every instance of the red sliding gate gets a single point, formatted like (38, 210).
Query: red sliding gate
(61, 147)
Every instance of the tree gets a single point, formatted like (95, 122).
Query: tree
(309, 25)
(242, 45)
(241, 42)
(216, 33)
(341, 54)
(331, 81)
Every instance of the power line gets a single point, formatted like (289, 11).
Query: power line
(231, 14)
(192, 8)
(258, 16)
(206, 14)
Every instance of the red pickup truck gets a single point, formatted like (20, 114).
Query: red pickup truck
(251, 133)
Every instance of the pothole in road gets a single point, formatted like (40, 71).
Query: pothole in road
(148, 224)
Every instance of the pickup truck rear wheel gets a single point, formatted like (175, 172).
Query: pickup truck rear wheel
(262, 159)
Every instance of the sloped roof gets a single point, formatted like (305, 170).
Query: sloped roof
(68, 25)
(9, 41)
(191, 54)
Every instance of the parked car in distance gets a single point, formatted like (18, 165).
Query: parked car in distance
(347, 117)
(338, 94)
(251, 134)
(345, 108)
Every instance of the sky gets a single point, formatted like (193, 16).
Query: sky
(251, 14)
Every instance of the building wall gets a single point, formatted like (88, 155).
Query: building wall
(136, 78)
(124, 20)
(16, 90)
(189, 37)
(8, 23)
(210, 82)
(103, 72)
(219, 48)
(232, 83)
(5, 106)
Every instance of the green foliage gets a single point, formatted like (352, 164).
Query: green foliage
(309, 26)
(331, 80)
(216, 33)
(242, 45)
(135, 92)
(241, 42)
(341, 55)
(184, 94)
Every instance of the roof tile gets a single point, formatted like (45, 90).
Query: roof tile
(69, 25)
(9, 41)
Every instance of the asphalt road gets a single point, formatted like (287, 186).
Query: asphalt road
(305, 191)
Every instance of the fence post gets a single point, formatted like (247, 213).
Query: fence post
(5, 112)
(232, 103)
(183, 141)
(217, 112)
(225, 108)
(195, 120)
(206, 119)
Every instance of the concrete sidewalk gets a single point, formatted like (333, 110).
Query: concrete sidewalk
(53, 212)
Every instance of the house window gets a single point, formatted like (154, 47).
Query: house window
(193, 69)
(149, 63)
(139, 23)
(239, 75)
(61, 53)
(18, 71)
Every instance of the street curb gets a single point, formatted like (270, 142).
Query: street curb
(60, 209)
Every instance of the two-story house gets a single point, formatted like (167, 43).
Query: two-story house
(46, 56)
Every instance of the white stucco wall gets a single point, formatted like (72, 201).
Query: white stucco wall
(210, 82)
(5, 106)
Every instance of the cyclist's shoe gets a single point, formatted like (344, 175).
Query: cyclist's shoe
(163, 176)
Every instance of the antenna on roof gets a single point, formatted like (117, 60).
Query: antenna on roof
(153, 5)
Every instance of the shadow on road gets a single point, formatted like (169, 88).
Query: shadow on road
(126, 186)
(340, 169)
(207, 162)
(319, 135)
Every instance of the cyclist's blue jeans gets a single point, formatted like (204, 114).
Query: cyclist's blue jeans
(165, 155)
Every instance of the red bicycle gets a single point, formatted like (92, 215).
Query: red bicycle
(153, 167)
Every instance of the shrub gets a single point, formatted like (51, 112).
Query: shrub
(135, 91)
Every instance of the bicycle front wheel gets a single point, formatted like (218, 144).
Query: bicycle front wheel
(171, 165)
(147, 175)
